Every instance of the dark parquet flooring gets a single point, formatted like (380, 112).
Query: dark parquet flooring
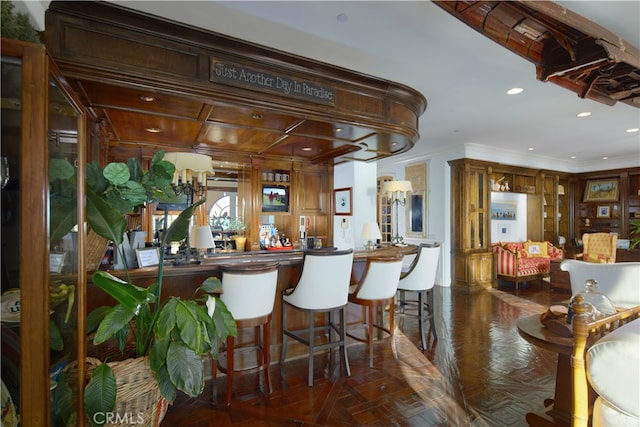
(479, 372)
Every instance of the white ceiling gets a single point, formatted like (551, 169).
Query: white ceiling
(463, 75)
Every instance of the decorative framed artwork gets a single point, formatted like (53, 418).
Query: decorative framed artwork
(416, 213)
(504, 210)
(147, 257)
(605, 190)
(603, 212)
(416, 207)
(342, 198)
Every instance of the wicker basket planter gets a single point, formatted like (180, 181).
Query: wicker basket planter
(138, 399)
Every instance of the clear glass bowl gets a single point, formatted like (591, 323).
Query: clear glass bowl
(601, 305)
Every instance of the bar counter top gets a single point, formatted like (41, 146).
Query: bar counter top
(285, 257)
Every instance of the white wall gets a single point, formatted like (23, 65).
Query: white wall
(362, 179)
(438, 202)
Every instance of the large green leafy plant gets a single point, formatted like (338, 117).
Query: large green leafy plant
(174, 333)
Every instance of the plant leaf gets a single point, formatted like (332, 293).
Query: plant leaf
(135, 169)
(189, 325)
(100, 393)
(95, 317)
(104, 219)
(166, 319)
(62, 412)
(211, 285)
(179, 227)
(134, 193)
(225, 325)
(158, 354)
(95, 178)
(117, 173)
(117, 319)
(186, 369)
(63, 214)
(167, 388)
(61, 169)
(125, 293)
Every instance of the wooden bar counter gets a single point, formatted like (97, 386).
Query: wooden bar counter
(183, 280)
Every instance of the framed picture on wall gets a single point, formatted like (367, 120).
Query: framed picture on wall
(603, 212)
(416, 213)
(416, 205)
(342, 198)
(605, 190)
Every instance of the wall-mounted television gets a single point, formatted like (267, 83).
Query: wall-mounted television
(275, 198)
(180, 203)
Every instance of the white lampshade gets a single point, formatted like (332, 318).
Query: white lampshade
(200, 237)
(371, 231)
(190, 167)
(397, 186)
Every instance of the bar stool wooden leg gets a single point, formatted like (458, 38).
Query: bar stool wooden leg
(371, 312)
(312, 333)
(343, 338)
(231, 343)
(266, 354)
(283, 350)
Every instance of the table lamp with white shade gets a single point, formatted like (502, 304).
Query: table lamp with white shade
(371, 233)
(201, 238)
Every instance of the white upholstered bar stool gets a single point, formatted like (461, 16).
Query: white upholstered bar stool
(375, 290)
(420, 278)
(323, 288)
(248, 291)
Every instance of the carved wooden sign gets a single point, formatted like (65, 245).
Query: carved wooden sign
(238, 75)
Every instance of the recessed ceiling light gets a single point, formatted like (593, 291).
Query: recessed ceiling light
(584, 114)
(153, 130)
(530, 148)
(342, 17)
(573, 157)
(514, 91)
(633, 130)
(256, 116)
(605, 158)
(148, 98)
(338, 129)
(306, 149)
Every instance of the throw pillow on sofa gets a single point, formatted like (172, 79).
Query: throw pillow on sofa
(536, 249)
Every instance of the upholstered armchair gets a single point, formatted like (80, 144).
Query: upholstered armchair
(598, 247)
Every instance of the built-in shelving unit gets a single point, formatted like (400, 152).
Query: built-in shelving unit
(609, 211)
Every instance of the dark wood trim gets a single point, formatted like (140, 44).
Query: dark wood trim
(34, 246)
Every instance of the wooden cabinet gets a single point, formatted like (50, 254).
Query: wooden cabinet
(564, 211)
(555, 208)
(472, 258)
(43, 140)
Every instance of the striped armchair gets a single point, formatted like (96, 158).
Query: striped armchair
(524, 261)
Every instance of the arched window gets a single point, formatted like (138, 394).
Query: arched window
(224, 208)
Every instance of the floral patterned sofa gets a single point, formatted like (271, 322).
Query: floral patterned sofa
(524, 261)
